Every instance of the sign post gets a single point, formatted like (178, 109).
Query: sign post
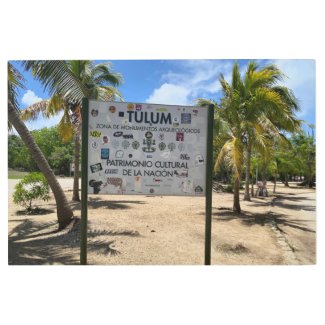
(84, 182)
(208, 184)
(146, 149)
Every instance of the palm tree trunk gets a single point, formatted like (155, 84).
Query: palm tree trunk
(252, 188)
(248, 171)
(236, 206)
(64, 212)
(274, 186)
(310, 175)
(227, 176)
(75, 196)
(264, 172)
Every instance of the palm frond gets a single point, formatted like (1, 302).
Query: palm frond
(252, 66)
(34, 111)
(226, 88)
(232, 154)
(15, 81)
(236, 82)
(266, 77)
(108, 93)
(45, 108)
(288, 97)
(204, 102)
(56, 76)
(65, 127)
(223, 153)
(56, 104)
(103, 75)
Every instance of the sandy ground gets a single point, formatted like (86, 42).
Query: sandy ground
(143, 230)
(295, 216)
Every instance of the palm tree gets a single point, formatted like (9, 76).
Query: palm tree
(69, 82)
(229, 137)
(267, 109)
(253, 111)
(64, 212)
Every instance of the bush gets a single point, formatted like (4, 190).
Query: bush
(33, 186)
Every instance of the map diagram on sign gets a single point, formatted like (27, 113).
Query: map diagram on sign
(146, 149)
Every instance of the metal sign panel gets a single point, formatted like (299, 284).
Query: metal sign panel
(146, 149)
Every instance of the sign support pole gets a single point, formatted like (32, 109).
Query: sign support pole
(208, 186)
(84, 182)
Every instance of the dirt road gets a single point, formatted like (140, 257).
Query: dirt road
(295, 216)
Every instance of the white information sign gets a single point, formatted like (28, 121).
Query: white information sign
(146, 149)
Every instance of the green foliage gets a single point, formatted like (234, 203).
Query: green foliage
(15, 147)
(15, 81)
(293, 157)
(32, 187)
(304, 149)
(58, 153)
(60, 159)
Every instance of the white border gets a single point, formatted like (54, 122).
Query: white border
(168, 30)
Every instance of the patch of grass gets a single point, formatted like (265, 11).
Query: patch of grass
(15, 174)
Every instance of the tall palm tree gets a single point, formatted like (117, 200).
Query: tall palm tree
(229, 131)
(64, 211)
(69, 82)
(267, 104)
(253, 111)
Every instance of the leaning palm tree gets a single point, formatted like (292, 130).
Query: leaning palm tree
(64, 211)
(69, 82)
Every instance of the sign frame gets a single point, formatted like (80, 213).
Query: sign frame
(84, 182)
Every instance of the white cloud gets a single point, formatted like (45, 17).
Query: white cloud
(299, 72)
(30, 98)
(169, 94)
(192, 79)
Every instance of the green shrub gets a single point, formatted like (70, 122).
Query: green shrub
(33, 186)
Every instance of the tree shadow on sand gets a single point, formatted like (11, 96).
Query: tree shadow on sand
(279, 203)
(34, 212)
(32, 243)
(99, 203)
(249, 219)
(294, 198)
(246, 218)
(283, 220)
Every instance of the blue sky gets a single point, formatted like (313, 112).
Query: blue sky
(182, 81)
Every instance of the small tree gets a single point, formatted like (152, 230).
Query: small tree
(33, 186)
